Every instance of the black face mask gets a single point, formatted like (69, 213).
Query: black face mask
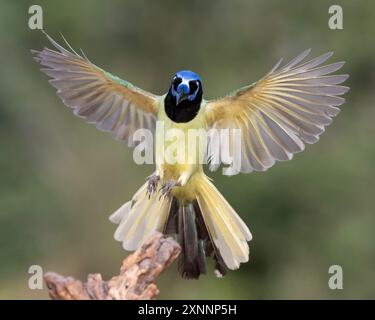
(186, 110)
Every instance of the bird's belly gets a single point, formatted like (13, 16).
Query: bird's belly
(175, 171)
(178, 158)
(177, 150)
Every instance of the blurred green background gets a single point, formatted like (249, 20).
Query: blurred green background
(61, 178)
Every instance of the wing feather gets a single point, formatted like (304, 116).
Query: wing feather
(112, 104)
(277, 115)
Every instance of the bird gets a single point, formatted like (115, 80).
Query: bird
(277, 116)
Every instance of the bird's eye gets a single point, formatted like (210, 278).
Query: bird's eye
(176, 82)
(193, 86)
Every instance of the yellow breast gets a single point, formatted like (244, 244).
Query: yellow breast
(179, 146)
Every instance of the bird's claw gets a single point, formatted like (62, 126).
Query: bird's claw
(153, 181)
(167, 188)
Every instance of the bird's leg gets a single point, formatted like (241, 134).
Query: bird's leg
(167, 188)
(153, 181)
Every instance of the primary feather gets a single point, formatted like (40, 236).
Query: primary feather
(287, 108)
(112, 104)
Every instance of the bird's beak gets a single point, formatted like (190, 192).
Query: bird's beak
(181, 97)
(182, 92)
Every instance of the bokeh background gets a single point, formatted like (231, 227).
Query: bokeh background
(60, 178)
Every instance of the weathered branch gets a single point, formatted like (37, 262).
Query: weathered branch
(135, 281)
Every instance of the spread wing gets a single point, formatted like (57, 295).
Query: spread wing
(99, 97)
(277, 115)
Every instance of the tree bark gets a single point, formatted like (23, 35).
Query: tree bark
(134, 282)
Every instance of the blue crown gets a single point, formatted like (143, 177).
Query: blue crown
(188, 75)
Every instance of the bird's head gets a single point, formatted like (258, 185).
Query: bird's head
(186, 85)
(184, 97)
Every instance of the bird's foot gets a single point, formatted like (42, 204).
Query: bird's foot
(153, 181)
(167, 188)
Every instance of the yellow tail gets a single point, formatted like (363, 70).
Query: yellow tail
(227, 230)
(139, 217)
(204, 226)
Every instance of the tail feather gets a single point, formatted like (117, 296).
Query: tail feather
(171, 225)
(139, 217)
(206, 226)
(192, 259)
(210, 248)
(228, 232)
